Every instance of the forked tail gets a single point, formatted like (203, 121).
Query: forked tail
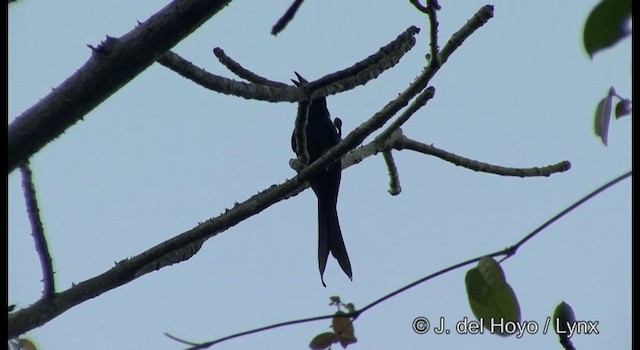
(330, 239)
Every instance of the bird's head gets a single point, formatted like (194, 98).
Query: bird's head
(320, 102)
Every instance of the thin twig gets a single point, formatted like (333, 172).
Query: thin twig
(180, 340)
(474, 23)
(432, 7)
(514, 248)
(407, 143)
(242, 72)
(418, 6)
(368, 69)
(261, 329)
(287, 17)
(37, 231)
(394, 178)
(418, 103)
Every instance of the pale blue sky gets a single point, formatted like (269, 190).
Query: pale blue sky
(163, 154)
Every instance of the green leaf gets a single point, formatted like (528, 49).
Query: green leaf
(491, 298)
(347, 340)
(323, 341)
(343, 328)
(606, 25)
(350, 307)
(491, 271)
(563, 316)
(26, 344)
(603, 116)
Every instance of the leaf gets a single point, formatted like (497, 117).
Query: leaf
(603, 116)
(490, 296)
(606, 25)
(26, 344)
(563, 316)
(491, 271)
(350, 307)
(323, 341)
(346, 341)
(623, 108)
(343, 328)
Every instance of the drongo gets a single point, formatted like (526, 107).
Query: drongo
(322, 134)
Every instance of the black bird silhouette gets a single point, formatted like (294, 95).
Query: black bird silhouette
(321, 135)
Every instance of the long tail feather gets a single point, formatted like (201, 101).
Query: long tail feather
(330, 239)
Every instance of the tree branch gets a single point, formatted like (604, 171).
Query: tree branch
(367, 69)
(37, 231)
(242, 72)
(114, 63)
(394, 178)
(227, 86)
(406, 143)
(432, 7)
(358, 74)
(419, 6)
(287, 17)
(418, 103)
(478, 20)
